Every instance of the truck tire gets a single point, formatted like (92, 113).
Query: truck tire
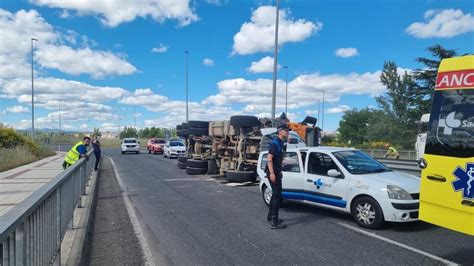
(182, 159)
(198, 131)
(184, 133)
(196, 171)
(196, 164)
(244, 121)
(184, 126)
(240, 176)
(179, 127)
(212, 168)
(181, 165)
(198, 124)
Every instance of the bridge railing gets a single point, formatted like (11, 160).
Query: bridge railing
(31, 232)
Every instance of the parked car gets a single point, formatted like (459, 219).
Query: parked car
(345, 180)
(155, 145)
(130, 145)
(174, 148)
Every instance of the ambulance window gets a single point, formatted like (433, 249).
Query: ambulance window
(451, 126)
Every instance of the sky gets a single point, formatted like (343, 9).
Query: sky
(110, 64)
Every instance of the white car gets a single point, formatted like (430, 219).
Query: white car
(345, 180)
(130, 145)
(174, 148)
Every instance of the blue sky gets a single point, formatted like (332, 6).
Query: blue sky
(102, 60)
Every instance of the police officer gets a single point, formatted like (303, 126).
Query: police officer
(274, 174)
(77, 152)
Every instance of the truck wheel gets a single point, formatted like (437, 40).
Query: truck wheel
(196, 171)
(196, 164)
(182, 159)
(184, 133)
(179, 127)
(240, 176)
(149, 151)
(367, 213)
(181, 165)
(198, 131)
(212, 168)
(198, 124)
(184, 126)
(244, 121)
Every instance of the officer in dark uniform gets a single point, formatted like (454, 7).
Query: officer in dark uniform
(274, 174)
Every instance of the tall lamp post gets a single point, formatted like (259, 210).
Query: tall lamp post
(187, 72)
(275, 63)
(32, 93)
(286, 90)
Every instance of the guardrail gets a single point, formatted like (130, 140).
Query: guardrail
(409, 167)
(31, 233)
(404, 154)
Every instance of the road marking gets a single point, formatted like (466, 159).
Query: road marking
(185, 179)
(421, 252)
(133, 218)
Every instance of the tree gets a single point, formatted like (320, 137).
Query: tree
(425, 77)
(128, 132)
(97, 132)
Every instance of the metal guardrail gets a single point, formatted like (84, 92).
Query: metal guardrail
(31, 233)
(409, 167)
(404, 154)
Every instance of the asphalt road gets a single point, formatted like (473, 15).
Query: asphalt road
(197, 220)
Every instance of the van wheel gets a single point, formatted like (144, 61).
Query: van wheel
(367, 213)
(267, 195)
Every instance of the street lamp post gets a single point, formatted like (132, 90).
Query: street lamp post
(187, 72)
(32, 93)
(322, 115)
(286, 90)
(275, 63)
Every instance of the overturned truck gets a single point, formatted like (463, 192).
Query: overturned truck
(231, 148)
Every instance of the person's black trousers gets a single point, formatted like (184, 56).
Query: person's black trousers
(276, 199)
(97, 160)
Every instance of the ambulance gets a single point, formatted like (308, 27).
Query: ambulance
(447, 180)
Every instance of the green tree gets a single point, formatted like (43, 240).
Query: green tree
(129, 132)
(425, 76)
(97, 132)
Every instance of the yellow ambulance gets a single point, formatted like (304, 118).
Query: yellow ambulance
(447, 180)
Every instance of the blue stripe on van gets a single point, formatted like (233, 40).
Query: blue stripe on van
(319, 199)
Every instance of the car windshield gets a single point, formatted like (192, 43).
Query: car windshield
(357, 162)
(176, 143)
(129, 141)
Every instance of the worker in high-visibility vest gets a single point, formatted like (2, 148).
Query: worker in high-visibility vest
(392, 153)
(77, 152)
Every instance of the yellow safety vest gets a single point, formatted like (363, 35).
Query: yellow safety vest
(73, 155)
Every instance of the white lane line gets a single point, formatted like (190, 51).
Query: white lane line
(421, 252)
(134, 219)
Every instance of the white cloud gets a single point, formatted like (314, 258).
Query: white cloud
(303, 91)
(51, 50)
(208, 62)
(264, 65)
(445, 23)
(258, 34)
(160, 49)
(17, 109)
(98, 64)
(217, 2)
(338, 109)
(113, 13)
(346, 52)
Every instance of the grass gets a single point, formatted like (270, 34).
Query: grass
(20, 155)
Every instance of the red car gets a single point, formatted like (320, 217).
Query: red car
(156, 145)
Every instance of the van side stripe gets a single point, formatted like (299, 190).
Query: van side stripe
(309, 197)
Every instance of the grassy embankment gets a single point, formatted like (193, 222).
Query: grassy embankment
(17, 150)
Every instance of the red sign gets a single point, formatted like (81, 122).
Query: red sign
(455, 80)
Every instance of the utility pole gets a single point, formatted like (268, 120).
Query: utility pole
(322, 122)
(32, 93)
(134, 117)
(275, 64)
(59, 115)
(286, 90)
(187, 73)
